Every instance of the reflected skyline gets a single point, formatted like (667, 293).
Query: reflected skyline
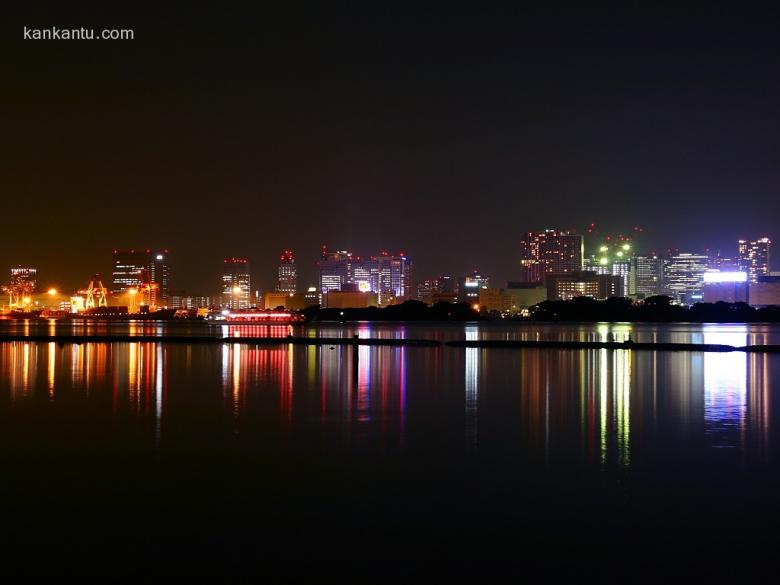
(602, 407)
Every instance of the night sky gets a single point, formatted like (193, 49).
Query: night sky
(444, 131)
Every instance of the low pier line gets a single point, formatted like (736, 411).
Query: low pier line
(613, 345)
(393, 342)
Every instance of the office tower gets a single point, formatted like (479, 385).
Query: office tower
(287, 276)
(469, 287)
(753, 257)
(645, 276)
(236, 283)
(390, 277)
(134, 269)
(335, 270)
(550, 252)
(159, 275)
(684, 277)
(394, 277)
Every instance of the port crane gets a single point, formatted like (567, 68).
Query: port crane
(95, 293)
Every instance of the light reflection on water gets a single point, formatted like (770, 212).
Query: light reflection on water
(600, 407)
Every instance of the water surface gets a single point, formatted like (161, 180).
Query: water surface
(294, 460)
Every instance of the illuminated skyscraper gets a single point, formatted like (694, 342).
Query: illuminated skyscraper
(335, 270)
(390, 277)
(236, 284)
(550, 252)
(645, 276)
(684, 277)
(287, 279)
(753, 258)
(135, 268)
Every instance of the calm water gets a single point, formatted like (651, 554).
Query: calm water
(294, 460)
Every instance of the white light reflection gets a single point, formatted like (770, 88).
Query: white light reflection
(725, 386)
(472, 385)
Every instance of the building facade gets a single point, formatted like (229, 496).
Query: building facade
(469, 287)
(236, 283)
(287, 273)
(684, 277)
(388, 276)
(753, 257)
(136, 269)
(727, 287)
(645, 276)
(564, 287)
(550, 252)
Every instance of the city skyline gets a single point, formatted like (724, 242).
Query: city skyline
(550, 258)
(513, 118)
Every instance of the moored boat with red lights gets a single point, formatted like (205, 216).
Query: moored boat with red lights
(259, 316)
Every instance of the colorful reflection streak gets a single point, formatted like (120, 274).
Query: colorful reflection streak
(600, 408)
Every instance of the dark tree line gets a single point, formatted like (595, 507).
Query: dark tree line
(653, 309)
(407, 311)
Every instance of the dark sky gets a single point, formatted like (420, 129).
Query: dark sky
(440, 129)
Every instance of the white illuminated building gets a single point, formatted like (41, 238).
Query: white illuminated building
(725, 286)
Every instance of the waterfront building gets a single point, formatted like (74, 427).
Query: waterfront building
(684, 277)
(180, 301)
(386, 275)
(524, 295)
(135, 269)
(753, 257)
(550, 252)
(645, 276)
(335, 270)
(494, 300)
(727, 287)
(764, 292)
(312, 297)
(437, 290)
(236, 283)
(273, 300)
(287, 273)
(469, 287)
(583, 284)
(350, 299)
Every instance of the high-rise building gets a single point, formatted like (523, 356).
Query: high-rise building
(287, 277)
(335, 270)
(399, 283)
(684, 276)
(753, 257)
(645, 276)
(470, 285)
(136, 268)
(437, 290)
(236, 283)
(550, 252)
(390, 277)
